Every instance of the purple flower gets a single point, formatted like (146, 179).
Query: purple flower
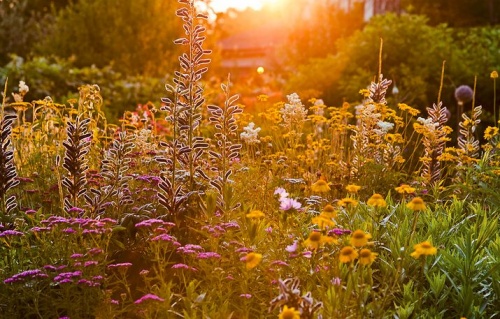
(120, 265)
(268, 230)
(114, 302)
(208, 255)
(32, 273)
(76, 256)
(95, 251)
(338, 232)
(40, 229)
(69, 230)
(289, 203)
(282, 192)
(292, 248)
(90, 263)
(148, 297)
(13, 233)
(246, 296)
(280, 263)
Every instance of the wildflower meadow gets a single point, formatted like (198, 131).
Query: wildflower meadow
(198, 206)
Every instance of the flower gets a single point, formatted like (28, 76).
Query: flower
(366, 256)
(255, 214)
(353, 189)
(348, 254)
(23, 88)
(416, 204)
(424, 248)
(289, 203)
(148, 297)
(344, 202)
(282, 192)
(252, 260)
(294, 111)
(359, 238)
(292, 248)
(377, 201)
(289, 313)
(323, 221)
(316, 240)
(494, 75)
(463, 94)
(405, 189)
(329, 211)
(490, 132)
(321, 186)
(251, 135)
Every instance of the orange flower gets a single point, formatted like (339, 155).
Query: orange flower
(348, 254)
(424, 248)
(321, 186)
(353, 189)
(416, 204)
(366, 256)
(359, 238)
(377, 201)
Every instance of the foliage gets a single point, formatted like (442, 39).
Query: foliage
(293, 209)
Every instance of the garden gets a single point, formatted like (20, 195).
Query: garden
(209, 202)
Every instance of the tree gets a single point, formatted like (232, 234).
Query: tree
(135, 35)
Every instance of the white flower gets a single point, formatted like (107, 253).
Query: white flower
(23, 88)
(427, 123)
(251, 134)
(294, 111)
(385, 126)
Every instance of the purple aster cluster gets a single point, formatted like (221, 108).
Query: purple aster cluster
(27, 274)
(11, 233)
(148, 297)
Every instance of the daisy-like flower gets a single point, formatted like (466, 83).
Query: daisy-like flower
(329, 211)
(254, 214)
(366, 256)
(345, 202)
(490, 132)
(348, 254)
(353, 189)
(416, 204)
(289, 203)
(320, 186)
(289, 313)
(360, 238)
(405, 189)
(494, 75)
(424, 248)
(316, 240)
(377, 201)
(252, 260)
(323, 221)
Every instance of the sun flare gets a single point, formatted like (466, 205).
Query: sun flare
(223, 5)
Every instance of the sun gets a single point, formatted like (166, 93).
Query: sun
(223, 5)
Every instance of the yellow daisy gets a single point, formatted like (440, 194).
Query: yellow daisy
(377, 201)
(416, 204)
(323, 221)
(255, 214)
(289, 313)
(405, 189)
(329, 211)
(424, 248)
(321, 186)
(360, 238)
(344, 202)
(353, 189)
(366, 256)
(252, 260)
(348, 254)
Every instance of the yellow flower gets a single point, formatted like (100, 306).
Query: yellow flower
(405, 189)
(490, 132)
(262, 98)
(416, 204)
(329, 211)
(360, 238)
(494, 75)
(377, 201)
(366, 256)
(255, 214)
(424, 248)
(353, 189)
(323, 221)
(348, 254)
(364, 92)
(289, 313)
(321, 186)
(252, 260)
(316, 240)
(344, 202)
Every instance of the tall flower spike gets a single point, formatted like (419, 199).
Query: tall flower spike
(77, 146)
(434, 142)
(8, 172)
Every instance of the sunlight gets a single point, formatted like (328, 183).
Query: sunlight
(223, 5)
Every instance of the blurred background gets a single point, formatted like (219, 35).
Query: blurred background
(324, 49)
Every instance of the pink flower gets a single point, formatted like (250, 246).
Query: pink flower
(148, 297)
(292, 248)
(289, 203)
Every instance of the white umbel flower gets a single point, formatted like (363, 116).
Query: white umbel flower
(250, 134)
